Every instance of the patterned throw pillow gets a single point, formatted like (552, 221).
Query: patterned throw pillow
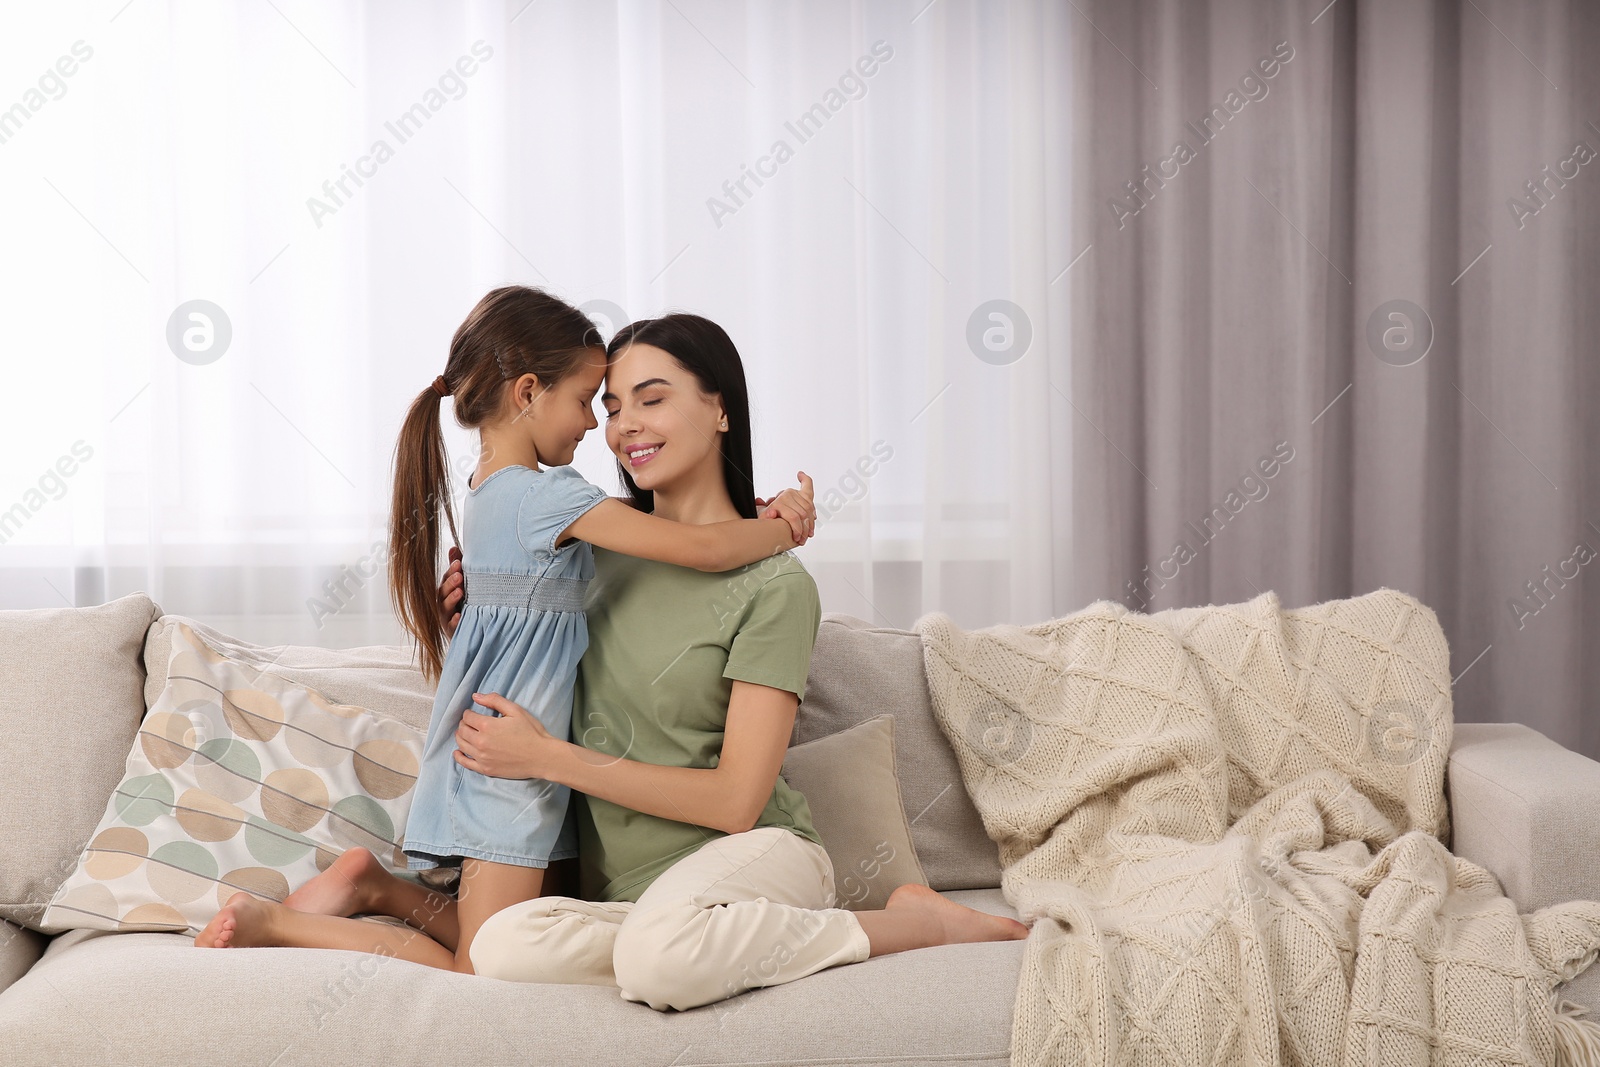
(238, 779)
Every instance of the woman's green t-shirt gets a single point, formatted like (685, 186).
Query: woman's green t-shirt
(666, 644)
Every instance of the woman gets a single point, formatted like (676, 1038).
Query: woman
(705, 875)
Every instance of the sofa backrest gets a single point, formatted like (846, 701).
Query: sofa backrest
(75, 683)
(858, 671)
(383, 678)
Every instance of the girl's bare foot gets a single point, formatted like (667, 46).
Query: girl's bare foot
(342, 889)
(244, 922)
(959, 924)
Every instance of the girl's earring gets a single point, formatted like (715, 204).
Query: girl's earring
(723, 425)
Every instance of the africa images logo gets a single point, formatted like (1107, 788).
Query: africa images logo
(851, 85)
(402, 128)
(1253, 88)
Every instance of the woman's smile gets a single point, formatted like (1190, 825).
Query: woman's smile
(639, 455)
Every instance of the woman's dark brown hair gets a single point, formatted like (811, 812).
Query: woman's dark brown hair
(513, 331)
(705, 350)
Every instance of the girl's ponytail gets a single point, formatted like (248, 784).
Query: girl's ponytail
(514, 330)
(421, 489)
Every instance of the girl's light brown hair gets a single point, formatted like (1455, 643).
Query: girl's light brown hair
(513, 331)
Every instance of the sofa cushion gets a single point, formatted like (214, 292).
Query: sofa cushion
(154, 998)
(70, 685)
(849, 782)
(859, 671)
(20, 948)
(239, 780)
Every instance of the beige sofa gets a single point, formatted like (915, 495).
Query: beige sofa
(73, 690)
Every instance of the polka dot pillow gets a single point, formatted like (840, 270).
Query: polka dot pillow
(238, 779)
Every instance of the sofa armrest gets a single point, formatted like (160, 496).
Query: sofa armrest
(1528, 810)
(20, 949)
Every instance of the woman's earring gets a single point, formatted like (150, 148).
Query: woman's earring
(723, 425)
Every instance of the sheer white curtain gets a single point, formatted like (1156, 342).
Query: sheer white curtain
(845, 187)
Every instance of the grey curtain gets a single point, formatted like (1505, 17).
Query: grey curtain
(1334, 322)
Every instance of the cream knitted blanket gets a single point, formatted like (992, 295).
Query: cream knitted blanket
(1225, 827)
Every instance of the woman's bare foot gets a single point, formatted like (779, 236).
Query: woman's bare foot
(959, 924)
(244, 922)
(342, 889)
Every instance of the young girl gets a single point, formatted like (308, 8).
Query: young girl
(524, 369)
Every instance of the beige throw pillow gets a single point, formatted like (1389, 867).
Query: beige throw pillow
(849, 782)
(859, 670)
(70, 683)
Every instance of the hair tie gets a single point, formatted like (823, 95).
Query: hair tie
(440, 386)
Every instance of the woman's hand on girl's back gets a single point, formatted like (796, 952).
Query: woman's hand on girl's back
(451, 593)
(795, 506)
(512, 744)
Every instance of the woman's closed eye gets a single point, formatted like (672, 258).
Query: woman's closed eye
(647, 403)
